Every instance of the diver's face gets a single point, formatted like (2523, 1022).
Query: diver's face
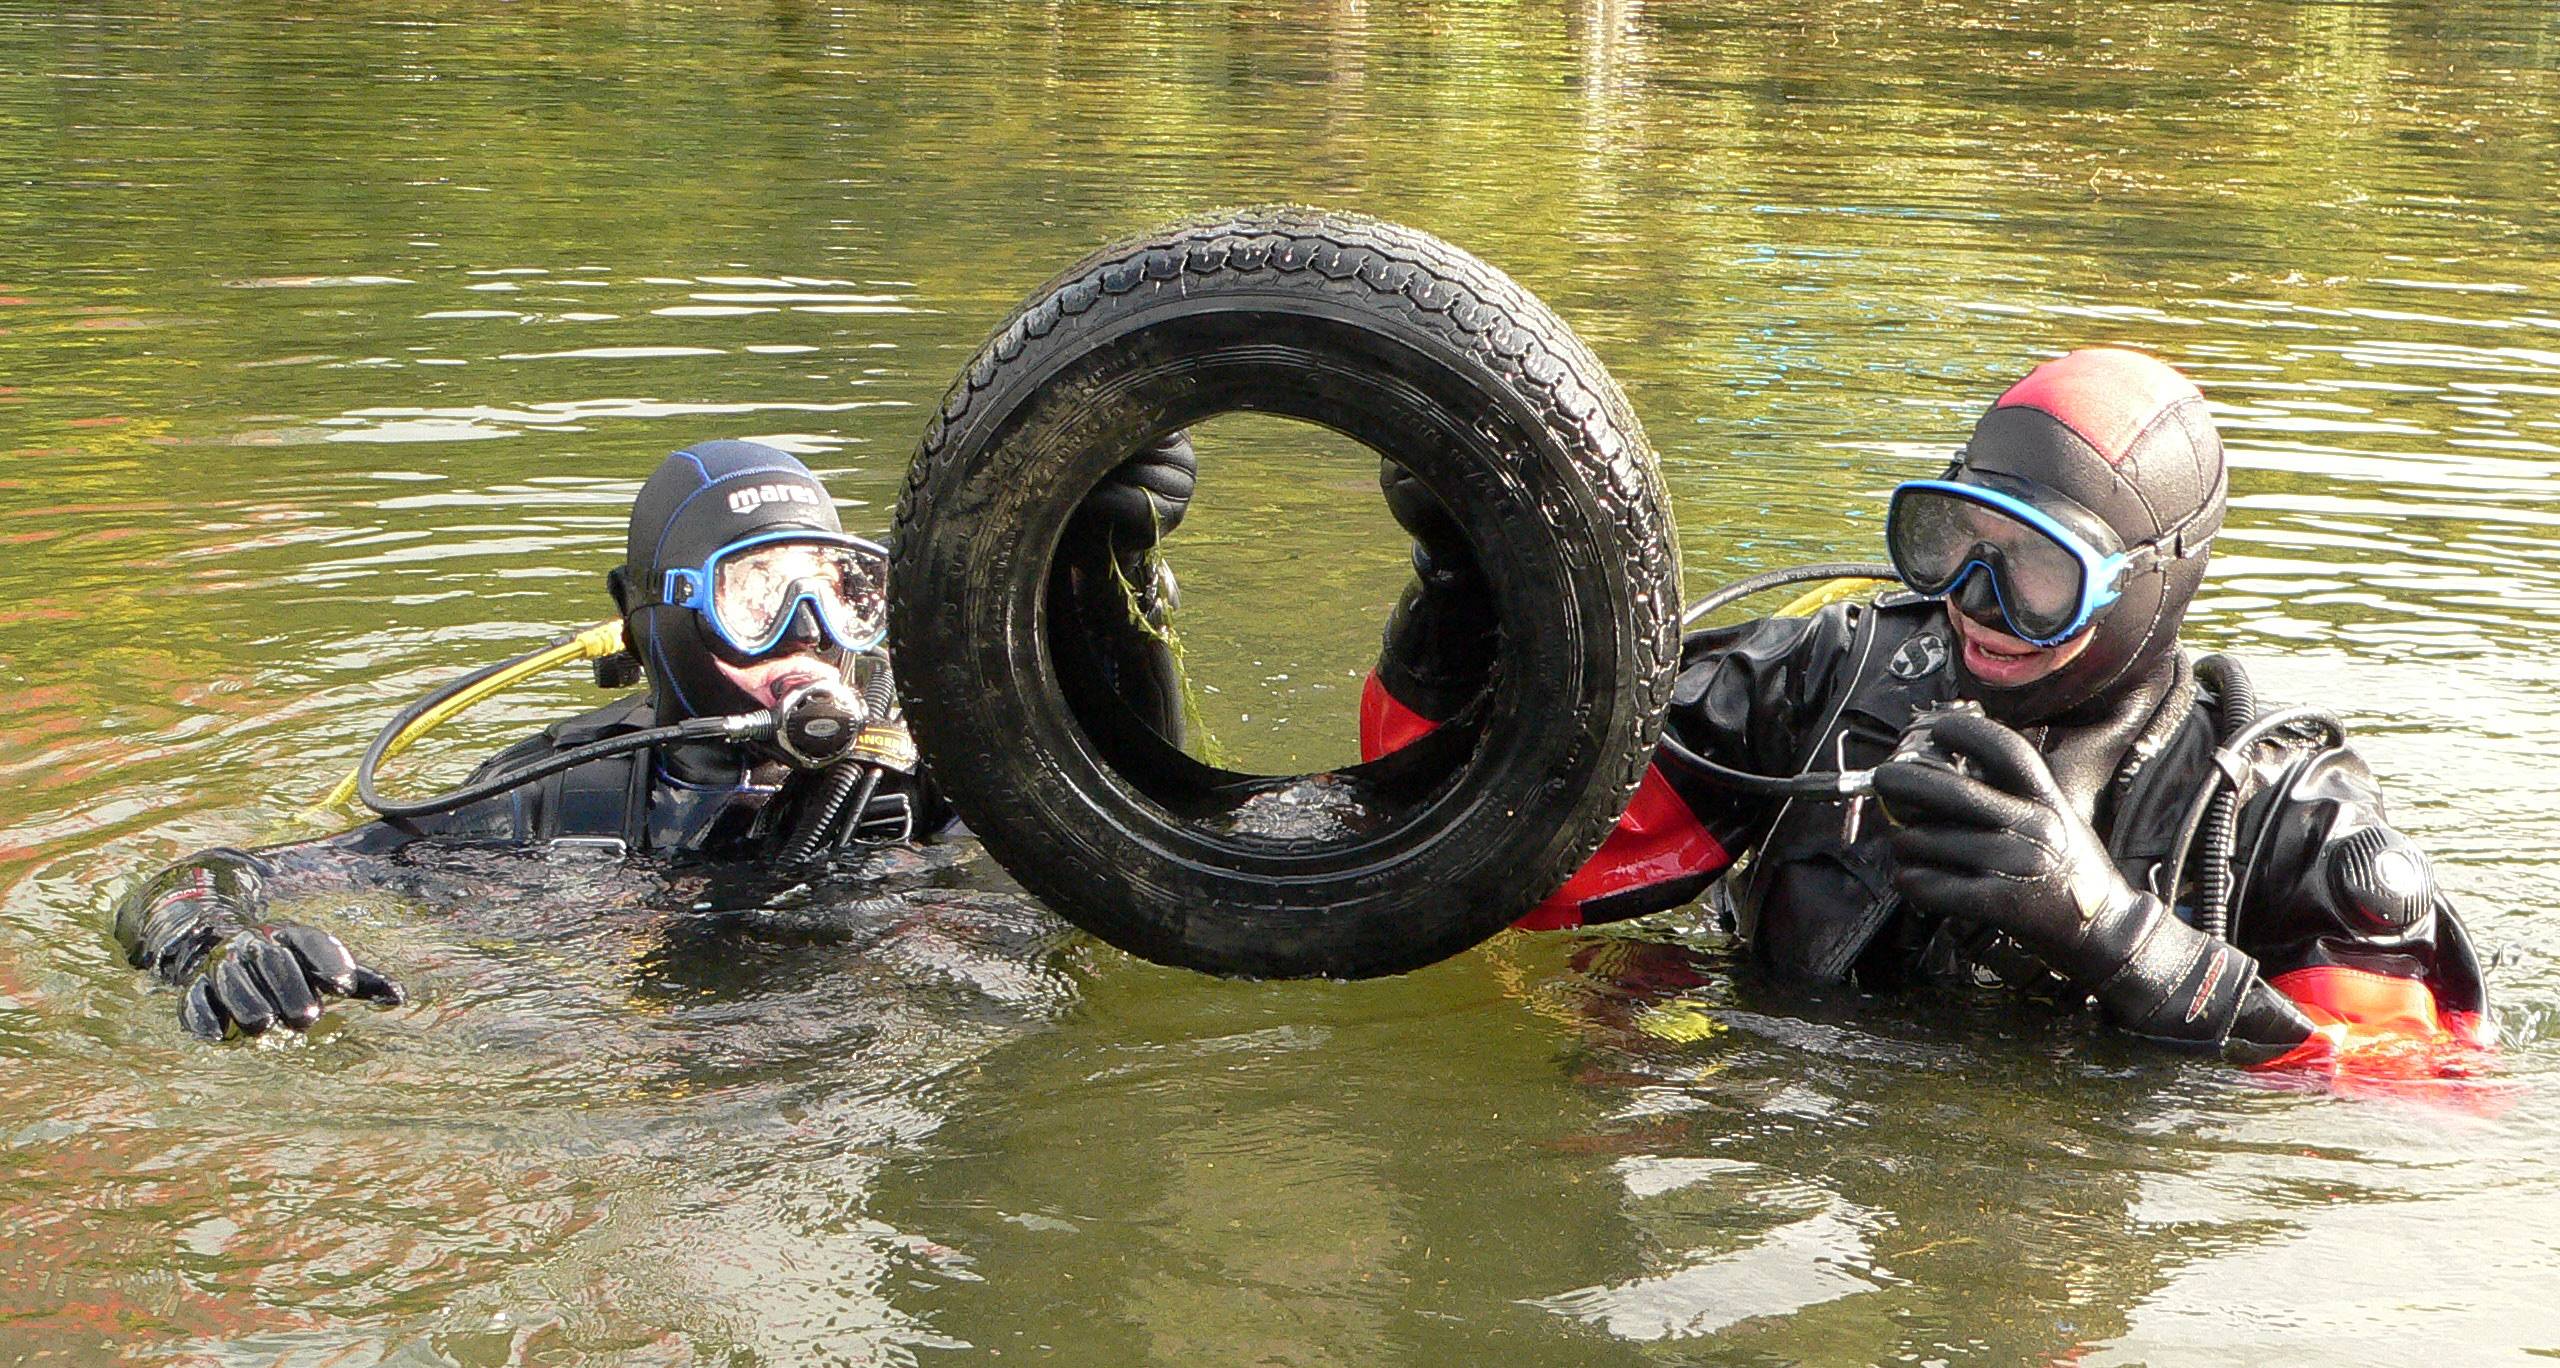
(771, 677)
(2003, 661)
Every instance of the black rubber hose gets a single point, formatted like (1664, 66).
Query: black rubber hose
(400, 720)
(692, 729)
(2259, 729)
(2229, 763)
(435, 698)
(2235, 707)
(880, 691)
(1823, 784)
(1773, 579)
(846, 786)
(419, 708)
(849, 784)
(1814, 784)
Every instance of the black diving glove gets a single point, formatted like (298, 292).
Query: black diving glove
(1440, 553)
(200, 926)
(1141, 501)
(2007, 849)
(1106, 562)
(1440, 639)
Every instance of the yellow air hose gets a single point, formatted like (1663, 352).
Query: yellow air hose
(594, 643)
(1825, 594)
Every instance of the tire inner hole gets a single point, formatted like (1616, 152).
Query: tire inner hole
(1289, 564)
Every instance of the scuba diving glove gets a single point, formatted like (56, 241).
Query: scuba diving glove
(1136, 506)
(1440, 640)
(1983, 833)
(199, 926)
(1106, 568)
(1145, 496)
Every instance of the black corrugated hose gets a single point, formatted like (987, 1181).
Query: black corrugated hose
(2235, 707)
(847, 784)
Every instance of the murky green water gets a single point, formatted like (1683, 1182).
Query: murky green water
(334, 339)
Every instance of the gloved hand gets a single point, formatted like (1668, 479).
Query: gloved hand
(2007, 848)
(1440, 639)
(199, 926)
(1113, 533)
(1439, 548)
(1145, 496)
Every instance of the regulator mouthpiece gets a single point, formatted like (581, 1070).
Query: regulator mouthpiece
(814, 726)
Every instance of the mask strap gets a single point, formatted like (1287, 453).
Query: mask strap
(2174, 539)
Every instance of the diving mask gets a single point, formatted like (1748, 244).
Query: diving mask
(2051, 569)
(749, 590)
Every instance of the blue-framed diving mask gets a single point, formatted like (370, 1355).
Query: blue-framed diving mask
(750, 590)
(2051, 564)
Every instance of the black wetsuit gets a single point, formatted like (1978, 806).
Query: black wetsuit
(672, 803)
(202, 923)
(2053, 811)
(1811, 892)
(669, 805)
(1816, 900)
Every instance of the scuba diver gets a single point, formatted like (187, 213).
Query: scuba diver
(768, 731)
(2029, 782)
